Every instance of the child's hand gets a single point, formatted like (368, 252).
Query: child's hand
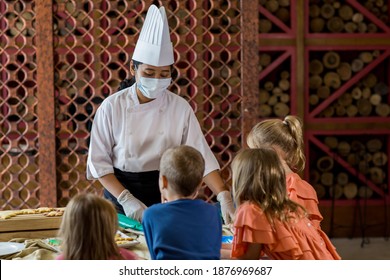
(226, 251)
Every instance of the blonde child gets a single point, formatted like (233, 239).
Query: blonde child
(182, 227)
(88, 230)
(286, 137)
(267, 221)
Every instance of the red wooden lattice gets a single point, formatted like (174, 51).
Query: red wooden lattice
(46, 118)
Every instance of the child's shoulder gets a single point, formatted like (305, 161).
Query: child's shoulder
(250, 214)
(152, 210)
(300, 186)
(251, 205)
(250, 208)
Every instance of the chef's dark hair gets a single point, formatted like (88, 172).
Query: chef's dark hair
(129, 82)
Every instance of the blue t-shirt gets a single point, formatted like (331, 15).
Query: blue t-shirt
(183, 229)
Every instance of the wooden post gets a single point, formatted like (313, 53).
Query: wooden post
(45, 96)
(250, 62)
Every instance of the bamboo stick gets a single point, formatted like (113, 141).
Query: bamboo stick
(327, 11)
(323, 92)
(272, 5)
(316, 67)
(365, 192)
(327, 179)
(283, 14)
(362, 27)
(272, 100)
(342, 178)
(268, 86)
(344, 70)
(313, 99)
(284, 85)
(375, 99)
(336, 191)
(356, 93)
(320, 190)
(366, 57)
(366, 93)
(263, 96)
(383, 109)
(353, 159)
(364, 107)
(357, 65)
(331, 141)
(335, 25)
(358, 18)
(264, 59)
(285, 98)
(314, 176)
(344, 148)
(281, 109)
(315, 81)
(332, 79)
(314, 11)
(265, 110)
(331, 60)
(317, 25)
(350, 190)
(358, 148)
(374, 145)
(377, 175)
(379, 159)
(350, 27)
(325, 163)
(346, 12)
(345, 99)
(265, 25)
(352, 110)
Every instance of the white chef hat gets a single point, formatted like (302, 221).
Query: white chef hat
(154, 46)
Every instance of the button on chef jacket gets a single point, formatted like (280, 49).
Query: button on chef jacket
(132, 137)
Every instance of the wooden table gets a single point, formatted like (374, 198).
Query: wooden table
(29, 226)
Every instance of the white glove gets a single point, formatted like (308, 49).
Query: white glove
(133, 207)
(227, 206)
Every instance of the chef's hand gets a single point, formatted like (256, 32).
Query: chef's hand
(227, 206)
(133, 207)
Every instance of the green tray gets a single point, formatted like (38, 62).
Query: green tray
(126, 222)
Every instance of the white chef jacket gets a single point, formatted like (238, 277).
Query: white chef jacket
(132, 137)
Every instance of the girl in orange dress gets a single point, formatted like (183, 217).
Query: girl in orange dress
(286, 137)
(267, 222)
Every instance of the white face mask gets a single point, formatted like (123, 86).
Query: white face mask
(152, 87)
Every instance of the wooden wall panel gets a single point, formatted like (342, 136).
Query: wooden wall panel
(45, 109)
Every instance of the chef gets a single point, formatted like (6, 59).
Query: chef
(133, 127)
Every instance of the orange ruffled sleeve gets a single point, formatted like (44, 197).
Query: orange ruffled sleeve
(297, 239)
(304, 194)
(252, 226)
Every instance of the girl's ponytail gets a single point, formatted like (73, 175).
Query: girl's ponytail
(297, 156)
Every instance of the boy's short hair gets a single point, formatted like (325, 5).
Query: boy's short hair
(183, 166)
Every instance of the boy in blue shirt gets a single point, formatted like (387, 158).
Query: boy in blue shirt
(182, 227)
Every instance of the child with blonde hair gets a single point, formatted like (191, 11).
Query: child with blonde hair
(88, 230)
(267, 221)
(182, 227)
(286, 137)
